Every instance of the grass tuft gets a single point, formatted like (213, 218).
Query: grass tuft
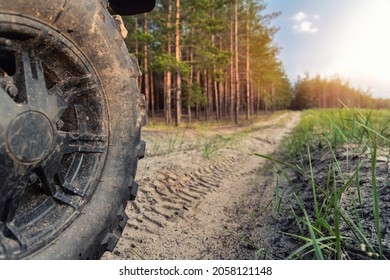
(333, 155)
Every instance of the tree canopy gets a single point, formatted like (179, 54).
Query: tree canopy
(333, 92)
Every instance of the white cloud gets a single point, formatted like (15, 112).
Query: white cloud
(299, 16)
(305, 27)
(303, 23)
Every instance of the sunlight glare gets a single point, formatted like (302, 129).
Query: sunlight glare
(363, 47)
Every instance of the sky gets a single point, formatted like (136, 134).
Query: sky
(348, 38)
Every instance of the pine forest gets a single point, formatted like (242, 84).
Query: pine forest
(216, 59)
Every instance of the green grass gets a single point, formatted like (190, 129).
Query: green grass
(174, 139)
(320, 128)
(327, 227)
(210, 147)
(209, 137)
(216, 143)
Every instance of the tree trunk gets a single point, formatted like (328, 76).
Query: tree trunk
(253, 97)
(213, 80)
(168, 76)
(190, 82)
(272, 97)
(152, 93)
(216, 97)
(146, 63)
(178, 59)
(237, 76)
(221, 93)
(232, 75)
(226, 101)
(210, 95)
(197, 76)
(205, 86)
(139, 79)
(247, 72)
(256, 95)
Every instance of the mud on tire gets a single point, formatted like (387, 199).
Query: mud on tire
(70, 119)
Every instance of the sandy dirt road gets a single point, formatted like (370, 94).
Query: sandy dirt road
(202, 195)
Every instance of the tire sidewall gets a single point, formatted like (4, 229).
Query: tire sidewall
(89, 26)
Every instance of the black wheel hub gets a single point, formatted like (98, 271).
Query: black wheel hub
(53, 138)
(30, 137)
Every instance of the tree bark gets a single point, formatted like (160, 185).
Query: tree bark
(197, 76)
(136, 27)
(178, 59)
(146, 63)
(210, 94)
(236, 70)
(273, 97)
(247, 72)
(232, 75)
(190, 82)
(168, 74)
(152, 94)
(206, 92)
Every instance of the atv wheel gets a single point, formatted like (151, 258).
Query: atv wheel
(70, 118)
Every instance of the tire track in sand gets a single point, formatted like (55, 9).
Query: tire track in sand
(173, 192)
(183, 197)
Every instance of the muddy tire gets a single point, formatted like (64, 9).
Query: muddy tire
(70, 119)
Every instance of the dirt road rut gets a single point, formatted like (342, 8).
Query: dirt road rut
(197, 189)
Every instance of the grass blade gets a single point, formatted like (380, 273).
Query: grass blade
(313, 186)
(316, 246)
(296, 168)
(336, 217)
(375, 196)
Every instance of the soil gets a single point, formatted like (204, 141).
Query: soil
(360, 210)
(190, 206)
(205, 195)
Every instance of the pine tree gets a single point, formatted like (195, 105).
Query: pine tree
(178, 59)
(216, 57)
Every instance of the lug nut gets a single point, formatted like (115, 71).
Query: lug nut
(12, 90)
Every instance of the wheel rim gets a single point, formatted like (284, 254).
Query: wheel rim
(53, 134)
